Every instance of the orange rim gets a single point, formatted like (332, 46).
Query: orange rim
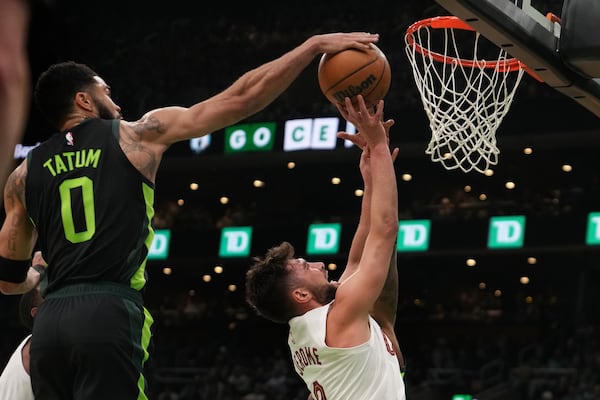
(452, 22)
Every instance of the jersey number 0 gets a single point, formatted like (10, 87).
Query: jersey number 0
(86, 186)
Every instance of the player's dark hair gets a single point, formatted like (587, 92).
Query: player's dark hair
(268, 284)
(28, 300)
(56, 89)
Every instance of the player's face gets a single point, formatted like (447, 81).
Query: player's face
(105, 106)
(312, 270)
(313, 276)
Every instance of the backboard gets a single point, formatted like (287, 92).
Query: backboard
(528, 34)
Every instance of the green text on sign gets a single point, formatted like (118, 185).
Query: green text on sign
(323, 238)
(413, 235)
(159, 250)
(235, 241)
(506, 232)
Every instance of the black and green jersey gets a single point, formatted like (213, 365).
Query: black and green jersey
(92, 208)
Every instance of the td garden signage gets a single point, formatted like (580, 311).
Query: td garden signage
(323, 238)
(506, 232)
(503, 232)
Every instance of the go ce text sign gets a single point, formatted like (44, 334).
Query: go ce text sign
(299, 134)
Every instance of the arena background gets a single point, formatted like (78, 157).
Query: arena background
(480, 331)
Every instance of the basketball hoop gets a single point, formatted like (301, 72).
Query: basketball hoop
(464, 95)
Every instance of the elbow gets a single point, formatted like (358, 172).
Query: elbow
(390, 226)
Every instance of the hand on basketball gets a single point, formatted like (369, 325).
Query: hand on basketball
(336, 42)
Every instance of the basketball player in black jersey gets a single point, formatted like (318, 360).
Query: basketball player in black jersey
(86, 197)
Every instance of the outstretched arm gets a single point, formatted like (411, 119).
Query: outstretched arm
(360, 235)
(249, 94)
(385, 308)
(357, 295)
(364, 222)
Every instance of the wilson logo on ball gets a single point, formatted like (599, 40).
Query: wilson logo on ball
(352, 90)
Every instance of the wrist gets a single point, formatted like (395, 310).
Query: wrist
(313, 46)
(379, 147)
(14, 271)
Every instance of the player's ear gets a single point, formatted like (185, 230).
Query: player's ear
(33, 311)
(84, 100)
(301, 295)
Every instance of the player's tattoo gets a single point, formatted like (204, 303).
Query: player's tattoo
(150, 124)
(14, 190)
(14, 197)
(132, 142)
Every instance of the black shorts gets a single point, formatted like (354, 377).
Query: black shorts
(90, 342)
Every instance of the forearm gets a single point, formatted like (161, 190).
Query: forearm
(17, 235)
(265, 83)
(362, 230)
(384, 202)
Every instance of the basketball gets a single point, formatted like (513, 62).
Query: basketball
(351, 72)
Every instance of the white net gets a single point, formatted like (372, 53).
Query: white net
(465, 97)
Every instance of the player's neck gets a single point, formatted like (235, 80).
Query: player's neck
(73, 120)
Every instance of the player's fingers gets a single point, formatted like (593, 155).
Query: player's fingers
(360, 102)
(355, 139)
(379, 109)
(343, 110)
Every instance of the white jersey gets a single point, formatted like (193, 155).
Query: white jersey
(15, 383)
(369, 371)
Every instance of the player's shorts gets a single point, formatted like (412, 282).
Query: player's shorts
(90, 341)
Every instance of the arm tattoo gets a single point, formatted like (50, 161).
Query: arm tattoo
(149, 125)
(135, 148)
(15, 187)
(14, 194)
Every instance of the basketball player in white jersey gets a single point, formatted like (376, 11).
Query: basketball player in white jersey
(15, 382)
(338, 348)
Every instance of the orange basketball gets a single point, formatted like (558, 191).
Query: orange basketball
(352, 72)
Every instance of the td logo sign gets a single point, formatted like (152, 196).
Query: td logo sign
(323, 238)
(593, 229)
(235, 241)
(506, 232)
(413, 235)
(159, 249)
